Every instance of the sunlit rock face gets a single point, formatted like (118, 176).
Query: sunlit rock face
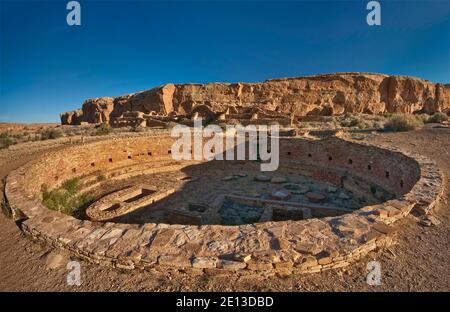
(330, 94)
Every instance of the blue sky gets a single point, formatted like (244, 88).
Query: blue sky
(48, 67)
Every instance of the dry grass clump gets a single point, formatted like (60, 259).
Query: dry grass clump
(423, 117)
(51, 134)
(103, 129)
(359, 121)
(353, 122)
(403, 122)
(5, 140)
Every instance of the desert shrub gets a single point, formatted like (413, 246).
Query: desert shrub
(72, 186)
(51, 134)
(378, 124)
(353, 122)
(5, 140)
(335, 122)
(362, 124)
(56, 200)
(438, 118)
(28, 138)
(74, 132)
(325, 118)
(423, 117)
(60, 200)
(103, 129)
(18, 136)
(403, 122)
(101, 177)
(302, 125)
(6, 209)
(65, 199)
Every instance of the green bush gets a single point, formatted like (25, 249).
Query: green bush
(5, 140)
(6, 209)
(51, 134)
(103, 129)
(403, 122)
(65, 199)
(437, 118)
(72, 186)
(101, 177)
(423, 117)
(56, 200)
(355, 122)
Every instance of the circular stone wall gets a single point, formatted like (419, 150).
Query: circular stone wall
(321, 241)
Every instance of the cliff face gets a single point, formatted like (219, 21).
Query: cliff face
(330, 94)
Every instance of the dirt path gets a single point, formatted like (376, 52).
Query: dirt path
(419, 261)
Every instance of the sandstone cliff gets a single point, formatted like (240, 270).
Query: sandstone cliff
(329, 94)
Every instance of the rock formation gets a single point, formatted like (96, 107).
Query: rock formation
(330, 94)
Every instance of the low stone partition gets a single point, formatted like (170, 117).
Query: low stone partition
(124, 201)
(311, 210)
(310, 245)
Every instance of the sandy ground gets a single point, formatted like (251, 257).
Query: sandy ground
(419, 261)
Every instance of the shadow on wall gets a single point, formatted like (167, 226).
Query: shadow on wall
(223, 192)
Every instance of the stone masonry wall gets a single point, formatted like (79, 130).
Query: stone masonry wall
(310, 245)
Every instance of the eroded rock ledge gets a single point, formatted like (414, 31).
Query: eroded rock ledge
(329, 94)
